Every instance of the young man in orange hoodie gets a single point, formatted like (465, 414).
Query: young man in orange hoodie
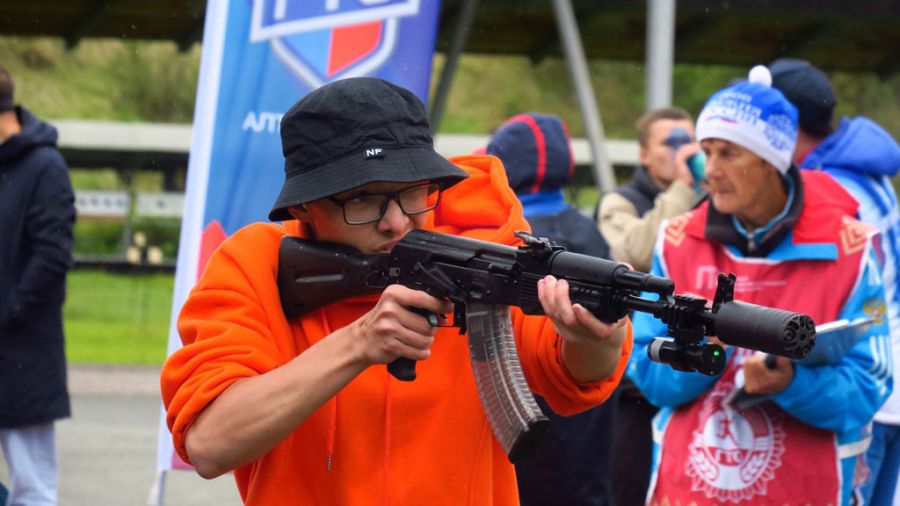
(304, 410)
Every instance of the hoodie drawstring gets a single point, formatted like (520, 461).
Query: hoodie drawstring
(388, 401)
(332, 407)
(332, 421)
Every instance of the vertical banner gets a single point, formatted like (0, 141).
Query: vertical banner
(259, 57)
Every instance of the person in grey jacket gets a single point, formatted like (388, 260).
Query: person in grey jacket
(661, 187)
(37, 213)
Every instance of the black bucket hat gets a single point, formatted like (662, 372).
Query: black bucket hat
(352, 132)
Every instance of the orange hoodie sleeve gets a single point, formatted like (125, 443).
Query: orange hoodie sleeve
(231, 325)
(539, 351)
(485, 207)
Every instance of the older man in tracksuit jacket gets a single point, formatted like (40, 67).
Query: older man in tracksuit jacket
(801, 446)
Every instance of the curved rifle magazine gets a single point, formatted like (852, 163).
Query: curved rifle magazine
(515, 418)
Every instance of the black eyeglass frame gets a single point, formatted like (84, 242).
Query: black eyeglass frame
(394, 195)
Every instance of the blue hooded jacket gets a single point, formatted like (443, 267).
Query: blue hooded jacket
(863, 157)
(858, 146)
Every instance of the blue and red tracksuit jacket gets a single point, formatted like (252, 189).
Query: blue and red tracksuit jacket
(815, 259)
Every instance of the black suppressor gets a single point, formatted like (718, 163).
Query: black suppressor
(751, 326)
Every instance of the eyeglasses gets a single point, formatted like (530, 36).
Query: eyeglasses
(370, 207)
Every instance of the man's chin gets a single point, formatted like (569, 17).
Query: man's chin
(722, 204)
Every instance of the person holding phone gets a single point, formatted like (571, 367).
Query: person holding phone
(663, 186)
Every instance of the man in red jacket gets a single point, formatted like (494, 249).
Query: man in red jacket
(304, 411)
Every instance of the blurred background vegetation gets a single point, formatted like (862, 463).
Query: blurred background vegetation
(152, 81)
(125, 318)
(117, 318)
(103, 79)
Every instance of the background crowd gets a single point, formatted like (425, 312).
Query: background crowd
(763, 209)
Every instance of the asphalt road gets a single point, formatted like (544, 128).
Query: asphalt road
(107, 450)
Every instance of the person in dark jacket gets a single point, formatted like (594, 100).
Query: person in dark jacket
(570, 467)
(537, 155)
(662, 187)
(37, 213)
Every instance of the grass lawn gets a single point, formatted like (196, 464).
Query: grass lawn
(117, 318)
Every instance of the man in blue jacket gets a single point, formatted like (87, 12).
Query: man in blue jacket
(863, 157)
(37, 212)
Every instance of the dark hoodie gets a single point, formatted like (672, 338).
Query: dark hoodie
(571, 466)
(536, 152)
(37, 214)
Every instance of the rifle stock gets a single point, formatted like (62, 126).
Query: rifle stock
(314, 274)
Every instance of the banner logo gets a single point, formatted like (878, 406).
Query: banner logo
(324, 40)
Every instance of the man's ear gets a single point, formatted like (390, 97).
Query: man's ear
(644, 156)
(300, 213)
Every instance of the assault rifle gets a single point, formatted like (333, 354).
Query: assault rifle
(482, 278)
(313, 274)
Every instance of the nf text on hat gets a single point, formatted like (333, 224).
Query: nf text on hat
(352, 132)
(754, 116)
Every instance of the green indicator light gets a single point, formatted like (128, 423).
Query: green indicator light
(716, 353)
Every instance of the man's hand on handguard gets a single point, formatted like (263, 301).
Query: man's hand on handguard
(591, 348)
(391, 330)
(759, 379)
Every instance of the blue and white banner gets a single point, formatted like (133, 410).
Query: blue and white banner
(259, 57)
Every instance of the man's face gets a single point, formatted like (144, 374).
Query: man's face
(656, 155)
(739, 181)
(327, 220)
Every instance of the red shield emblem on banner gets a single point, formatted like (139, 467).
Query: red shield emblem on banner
(325, 40)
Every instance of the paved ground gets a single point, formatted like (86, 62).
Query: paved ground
(107, 450)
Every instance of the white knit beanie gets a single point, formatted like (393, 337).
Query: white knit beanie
(755, 116)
